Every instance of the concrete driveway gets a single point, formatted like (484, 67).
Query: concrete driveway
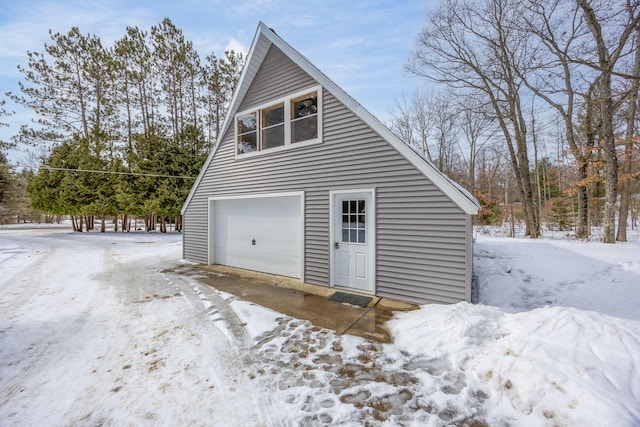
(302, 301)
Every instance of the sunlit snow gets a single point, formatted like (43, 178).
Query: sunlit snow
(105, 329)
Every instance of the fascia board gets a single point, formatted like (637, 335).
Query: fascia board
(468, 205)
(243, 84)
(463, 199)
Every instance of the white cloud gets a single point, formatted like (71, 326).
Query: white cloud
(237, 46)
(29, 28)
(362, 45)
(243, 8)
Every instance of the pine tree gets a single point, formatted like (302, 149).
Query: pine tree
(4, 145)
(561, 216)
(178, 67)
(220, 77)
(67, 86)
(140, 107)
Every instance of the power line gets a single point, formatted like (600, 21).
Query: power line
(154, 175)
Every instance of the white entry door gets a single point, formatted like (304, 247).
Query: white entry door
(353, 220)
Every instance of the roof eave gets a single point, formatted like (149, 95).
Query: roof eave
(463, 199)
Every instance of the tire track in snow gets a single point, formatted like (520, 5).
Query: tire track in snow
(320, 380)
(116, 327)
(19, 359)
(36, 340)
(215, 311)
(19, 288)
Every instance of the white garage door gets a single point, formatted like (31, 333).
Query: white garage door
(262, 234)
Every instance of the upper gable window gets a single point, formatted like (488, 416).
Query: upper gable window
(304, 117)
(284, 123)
(272, 125)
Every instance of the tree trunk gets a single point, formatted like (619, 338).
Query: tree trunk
(520, 164)
(529, 205)
(541, 197)
(582, 227)
(584, 157)
(625, 184)
(607, 60)
(150, 220)
(611, 160)
(115, 223)
(625, 192)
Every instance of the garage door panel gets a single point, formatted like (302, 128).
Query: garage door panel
(261, 234)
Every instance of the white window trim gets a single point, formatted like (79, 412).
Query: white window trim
(288, 145)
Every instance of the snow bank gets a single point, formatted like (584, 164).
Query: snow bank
(522, 274)
(548, 366)
(103, 329)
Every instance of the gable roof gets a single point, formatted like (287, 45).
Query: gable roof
(458, 195)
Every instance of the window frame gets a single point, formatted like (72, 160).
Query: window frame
(357, 217)
(288, 121)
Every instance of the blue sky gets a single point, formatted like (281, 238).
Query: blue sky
(361, 45)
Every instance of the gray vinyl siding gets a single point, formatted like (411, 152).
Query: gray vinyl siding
(195, 231)
(262, 90)
(316, 237)
(422, 236)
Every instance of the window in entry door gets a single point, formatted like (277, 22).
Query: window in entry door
(353, 221)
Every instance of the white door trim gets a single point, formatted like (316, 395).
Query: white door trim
(371, 235)
(210, 214)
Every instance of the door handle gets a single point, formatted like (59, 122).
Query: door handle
(337, 245)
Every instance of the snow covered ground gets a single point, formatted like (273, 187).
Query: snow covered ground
(104, 329)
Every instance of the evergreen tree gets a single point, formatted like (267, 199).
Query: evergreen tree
(135, 76)
(141, 107)
(4, 175)
(14, 205)
(178, 67)
(68, 87)
(45, 187)
(220, 77)
(561, 216)
(4, 145)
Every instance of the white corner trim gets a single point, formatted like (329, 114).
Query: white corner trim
(332, 254)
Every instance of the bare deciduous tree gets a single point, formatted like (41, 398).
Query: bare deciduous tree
(608, 55)
(412, 120)
(630, 137)
(472, 46)
(555, 27)
(445, 132)
(478, 129)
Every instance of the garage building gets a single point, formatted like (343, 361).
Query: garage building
(304, 182)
